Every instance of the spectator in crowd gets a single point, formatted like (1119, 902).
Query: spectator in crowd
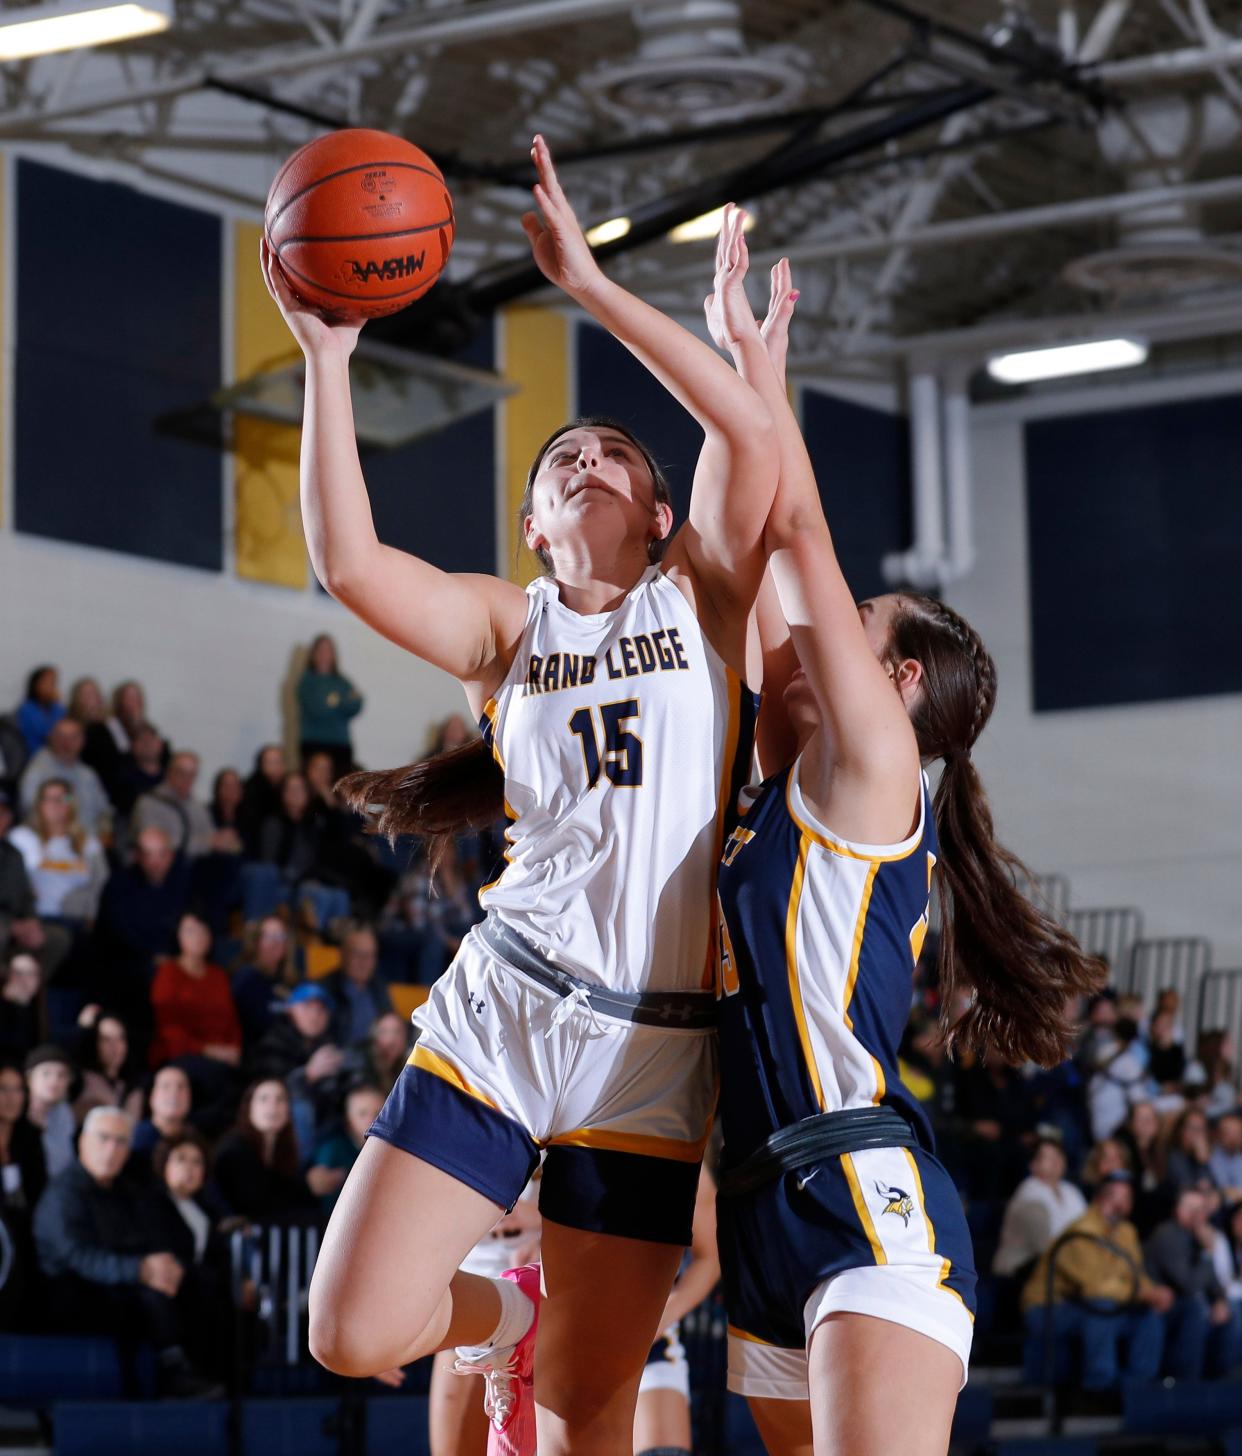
(140, 768)
(1227, 1257)
(23, 1170)
(138, 917)
(1166, 1064)
(183, 1214)
(992, 1102)
(20, 926)
(1140, 1135)
(195, 1020)
(95, 1252)
(267, 974)
(452, 732)
(99, 749)
(60, 759)
(336, 1156)
(49, 1073)
(293, 841)
(1042, 1207)
(226, 799)
(261, 794)
(1118, 1078)
(1097, 1033)
(41, 709)
(1099, 1294)
(327, 703)
(348, 854)
(109, 1078)
(257, 1164)
(1109, 1156)
(13, 751)
(1225, 1159)
(356, 988)
(298, 1051)
(1212, 1073)
(1188, 1163)
(129, 713)
(172, 807)
(168, 1114)
(23, 1010)
(1202, 1332)
(389, 1050)
(64, 862)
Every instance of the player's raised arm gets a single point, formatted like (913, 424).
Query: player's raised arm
(461, 623)
(723, 539)
(865, 717)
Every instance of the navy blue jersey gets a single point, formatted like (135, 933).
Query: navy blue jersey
(817, 941)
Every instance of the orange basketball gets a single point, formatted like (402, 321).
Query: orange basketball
(361, 222)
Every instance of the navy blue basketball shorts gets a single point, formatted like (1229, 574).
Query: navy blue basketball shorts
(879, 1232)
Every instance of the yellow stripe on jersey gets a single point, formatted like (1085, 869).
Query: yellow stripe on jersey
(835, 846)
(428, 1061)
(741, 1334)
(633, 1142)
(945, 1265)
(861, 1209)
(791, 966)
(489, 712)
(860, 929)
(733, 728)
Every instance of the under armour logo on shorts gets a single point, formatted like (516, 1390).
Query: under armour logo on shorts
(477, 1003)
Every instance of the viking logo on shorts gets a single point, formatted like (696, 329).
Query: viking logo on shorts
(897, 1201)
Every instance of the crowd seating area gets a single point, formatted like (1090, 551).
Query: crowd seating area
(235, 970)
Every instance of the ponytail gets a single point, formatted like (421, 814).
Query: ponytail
(1025, 971)
(436, 798)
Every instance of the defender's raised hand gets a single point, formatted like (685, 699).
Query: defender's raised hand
(730, 317)
(775, 327)
(556, 238)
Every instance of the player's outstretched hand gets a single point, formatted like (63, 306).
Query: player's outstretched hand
(314, 332)
(775, 328)
(556, 238)
(730, 317)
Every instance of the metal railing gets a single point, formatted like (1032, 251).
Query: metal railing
(1173, 962)
(1109, 932)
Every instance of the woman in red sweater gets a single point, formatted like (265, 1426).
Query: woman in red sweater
(193, 1004)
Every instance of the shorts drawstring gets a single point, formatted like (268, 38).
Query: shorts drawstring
(579, 999)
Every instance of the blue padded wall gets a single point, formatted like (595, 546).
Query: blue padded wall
(862, 462)
(436, 497)
(118, 324)
(1134, 521)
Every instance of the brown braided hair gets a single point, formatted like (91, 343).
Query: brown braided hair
(1025, 971)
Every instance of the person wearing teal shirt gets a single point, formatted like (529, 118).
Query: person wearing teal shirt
(326, 703)
(335, 1156)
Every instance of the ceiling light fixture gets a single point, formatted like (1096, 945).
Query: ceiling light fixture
(1030, 365)
(706, 226)
(608, 232)
(66, 25)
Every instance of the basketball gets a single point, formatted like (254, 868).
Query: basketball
(361, 222)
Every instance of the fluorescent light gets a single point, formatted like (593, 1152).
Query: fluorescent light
(66, 25)
(699, 229)
(608, 232)
(1033, 364)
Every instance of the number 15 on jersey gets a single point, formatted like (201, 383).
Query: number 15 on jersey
(613, 748)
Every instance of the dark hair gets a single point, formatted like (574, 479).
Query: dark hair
(314, 647)
(37, 673)
(285, 1153)
(89, 1051)
(166, 1147)
(1025, 970)
(591, 422)
(463, 788)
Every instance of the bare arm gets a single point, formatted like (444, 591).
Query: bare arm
(722, 542)
(464, 624)
(862, 769)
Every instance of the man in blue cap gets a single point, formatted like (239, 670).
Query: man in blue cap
(298, 1050)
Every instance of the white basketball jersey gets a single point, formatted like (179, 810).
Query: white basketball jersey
(623, 737)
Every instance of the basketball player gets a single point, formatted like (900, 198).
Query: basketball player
(846, 1257)
(574, 1019)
